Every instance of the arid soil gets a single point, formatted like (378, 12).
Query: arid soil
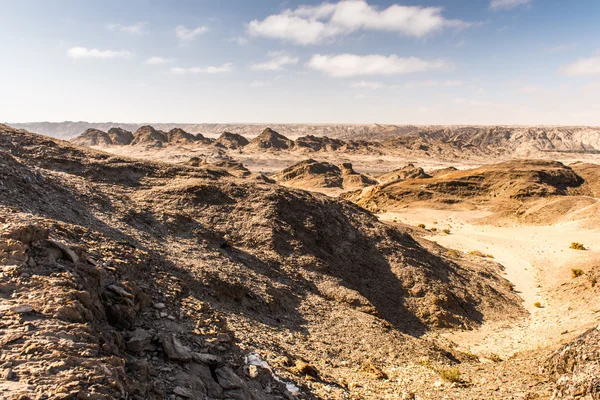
(201, 277)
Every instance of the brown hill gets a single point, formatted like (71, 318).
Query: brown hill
(442, 171)
(269, 140)
(402, 174)
(318, 143)
(591, 174)
(148, 136)
(179, 281)
(93, 137)
(312, 174)
(352, 179)
(179, 136)
(229, 140)
(513, 180)
(120, 137)
(203, 139)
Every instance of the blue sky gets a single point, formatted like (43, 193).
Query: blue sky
(352, 61)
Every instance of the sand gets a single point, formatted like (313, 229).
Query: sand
(537, 260)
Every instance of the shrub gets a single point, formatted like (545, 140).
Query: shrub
(478, 253)
(446, 231)
(577, 246)
(537, 304)
(495, 357)
(304, 368)
(433, 229)
(576, 273)
(450, 374)
(453, 253)
(422, 226)
(373, 370)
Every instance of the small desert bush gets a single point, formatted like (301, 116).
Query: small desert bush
(433, 229)
(450, 374)
(478, 253)
(453, 253)
(576, 273)
(577, 246)
(446, 231)
(373, 370)
(495, 357)
(509, 286)
(422, 226)
(537, 304)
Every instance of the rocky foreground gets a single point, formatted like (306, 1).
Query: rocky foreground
(130, 279)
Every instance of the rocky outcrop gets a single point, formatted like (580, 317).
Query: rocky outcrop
(576, 367)
(229, 140)
(148, 136)
(93, 137)
(179, 136)
(120, 137)
(404, 173)
(313, 143)
(269, 140)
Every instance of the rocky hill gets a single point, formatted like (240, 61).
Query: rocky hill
(456, 141)
(402, 174)
(179, 136)
(93, 137)
(148, 136)
(229, 140)
(119, 137)
(312, 174)
(517, 181)
(269, 140)
(134, 279)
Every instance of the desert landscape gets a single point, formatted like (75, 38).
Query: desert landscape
(300, 200)
(159, 264)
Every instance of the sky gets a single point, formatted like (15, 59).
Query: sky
(526, 62)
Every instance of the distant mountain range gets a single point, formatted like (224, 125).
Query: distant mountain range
(518, 141)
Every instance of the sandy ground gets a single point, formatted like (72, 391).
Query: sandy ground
(537, 260)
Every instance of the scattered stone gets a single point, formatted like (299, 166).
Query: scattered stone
(183, 392)
(228, 379)
(121, 291)
(159, 306)
(174, 349)
(140, 339)
(206, 358)
(21, 309)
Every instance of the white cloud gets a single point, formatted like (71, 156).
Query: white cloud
(431, 83)
(227, 67)
(257, 84)
(83, 52)
(530, 89)
(508, 4)
(277, 61)
(367, 85)
(583, 67)
(135, 29)
(187, 35)
(316, 24)
(240, 40)
(346, 65)
(157, 60)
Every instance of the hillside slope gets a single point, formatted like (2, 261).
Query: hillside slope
(162, 279)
